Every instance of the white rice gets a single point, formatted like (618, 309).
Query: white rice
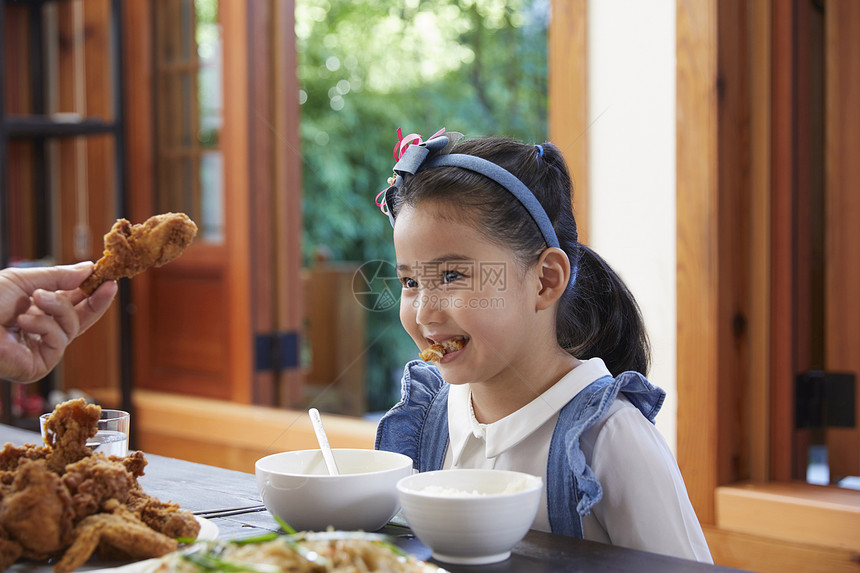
(456, 492)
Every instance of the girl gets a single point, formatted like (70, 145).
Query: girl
(539, 349)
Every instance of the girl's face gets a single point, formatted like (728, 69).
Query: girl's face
(458, 285)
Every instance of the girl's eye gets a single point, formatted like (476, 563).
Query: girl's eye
(408, 282)
(451, 276)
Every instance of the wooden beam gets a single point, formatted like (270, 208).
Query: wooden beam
(261, 180)
(234, 436)
(842, 329)
(234, 21)
(697, 254)
(769, 555)
(759, 323)
(733, 236)
(792, 512)
(288, 183)
(568, 98)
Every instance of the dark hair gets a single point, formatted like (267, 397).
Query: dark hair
(598, 316)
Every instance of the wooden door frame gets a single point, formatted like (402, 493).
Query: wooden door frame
(231, 257)
(735, 336)
(259, 259)
(697, 251)
(740, 146)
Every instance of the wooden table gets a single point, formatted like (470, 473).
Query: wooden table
(198, 487)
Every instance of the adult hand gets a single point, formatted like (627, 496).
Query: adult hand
(41, 312)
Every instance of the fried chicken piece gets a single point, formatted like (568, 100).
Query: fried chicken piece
(435, 352)
(119, 530)
(68, 428)
(11, 455)
(131, 249)
(37, 512)
(10, 551)
(10, 459)
(165, 517)
(134, 463)
(94, 480)
(432, 353)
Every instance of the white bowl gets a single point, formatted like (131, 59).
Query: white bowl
(470, 516)
(296, 487)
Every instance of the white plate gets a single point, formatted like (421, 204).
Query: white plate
(208, 532)
(208, 529)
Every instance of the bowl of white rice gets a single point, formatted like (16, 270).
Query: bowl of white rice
(470, 516)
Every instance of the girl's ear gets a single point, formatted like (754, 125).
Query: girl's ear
(554, 274)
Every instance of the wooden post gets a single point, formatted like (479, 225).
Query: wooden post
(568, 98)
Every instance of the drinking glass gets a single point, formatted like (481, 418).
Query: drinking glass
(111, 438)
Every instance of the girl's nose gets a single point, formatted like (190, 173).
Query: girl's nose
(428, 309)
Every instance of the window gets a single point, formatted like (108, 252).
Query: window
(189, 113)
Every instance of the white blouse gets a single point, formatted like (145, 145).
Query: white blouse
(644, 505)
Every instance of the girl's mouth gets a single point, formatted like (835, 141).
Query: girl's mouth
(437, 351)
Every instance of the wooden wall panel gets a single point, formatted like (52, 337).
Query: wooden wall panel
(17, 97)
(19, 200)
(176, 337)
(335, 377)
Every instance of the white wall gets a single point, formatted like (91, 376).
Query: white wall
(631, 50)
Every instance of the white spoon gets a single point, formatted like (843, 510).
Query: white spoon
(322, 438)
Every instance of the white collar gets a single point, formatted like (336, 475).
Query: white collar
(506, 433)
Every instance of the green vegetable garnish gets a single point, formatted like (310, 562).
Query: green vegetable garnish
(285, 526)
(207, 556)
(393, 548)
(263, 537)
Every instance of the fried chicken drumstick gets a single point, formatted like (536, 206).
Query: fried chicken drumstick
(131, 249)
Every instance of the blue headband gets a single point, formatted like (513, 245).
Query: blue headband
(432, 153)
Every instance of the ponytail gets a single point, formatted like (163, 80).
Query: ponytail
(601, 318)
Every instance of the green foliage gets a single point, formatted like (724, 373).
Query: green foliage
(367, 68)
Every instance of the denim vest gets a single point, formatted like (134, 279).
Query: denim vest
(418, 427)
